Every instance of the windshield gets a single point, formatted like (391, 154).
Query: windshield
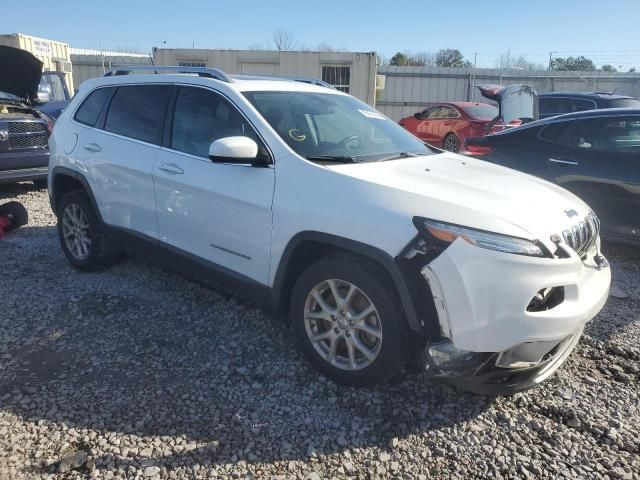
(337, 126)
(482, 111)
(51, 88)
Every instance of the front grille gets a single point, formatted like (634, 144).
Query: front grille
(27, 141)
(26, 127)
(583, 234)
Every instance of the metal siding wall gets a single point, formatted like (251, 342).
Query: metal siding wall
(298, 63)
(409, 89)
(90, 66)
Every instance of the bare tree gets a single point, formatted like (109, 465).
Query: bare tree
(509, 60)
(423, 59)
(283, 39)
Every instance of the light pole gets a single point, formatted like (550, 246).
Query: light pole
(550, 57)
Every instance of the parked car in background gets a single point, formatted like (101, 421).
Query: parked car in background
(448, 124)
(595, 154)
(559, 103)
(53, 95)
(24, 131)
(374, 245)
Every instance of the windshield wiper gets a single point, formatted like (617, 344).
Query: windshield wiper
(332, 158)
(399, 155)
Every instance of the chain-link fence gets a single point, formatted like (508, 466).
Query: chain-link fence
(407, 89)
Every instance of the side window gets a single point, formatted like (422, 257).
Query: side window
(200, 117)
(433, 112)
(138, 112)
(555, 132)
(555, 106)
(448, 112)
(620, 134)
(580, 105)
(92, 106)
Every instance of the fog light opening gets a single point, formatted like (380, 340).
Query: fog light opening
(546, 299)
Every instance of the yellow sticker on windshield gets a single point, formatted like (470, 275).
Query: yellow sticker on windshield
(297, 135)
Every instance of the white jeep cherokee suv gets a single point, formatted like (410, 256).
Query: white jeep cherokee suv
(375, 245)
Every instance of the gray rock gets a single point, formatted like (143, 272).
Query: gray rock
(72, 462)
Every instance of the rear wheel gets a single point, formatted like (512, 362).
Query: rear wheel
(451, 143)
(81, 234)
(348, 321)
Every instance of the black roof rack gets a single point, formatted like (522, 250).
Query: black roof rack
(200, 71)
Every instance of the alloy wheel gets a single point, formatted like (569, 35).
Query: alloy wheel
(451, 143)
(343, 324)
(76, 231)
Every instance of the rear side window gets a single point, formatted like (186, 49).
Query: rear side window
(138, 112)
(90, 109)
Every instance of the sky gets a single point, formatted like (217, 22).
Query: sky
(606, 32)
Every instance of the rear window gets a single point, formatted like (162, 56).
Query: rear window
(482, 111)
(90, 109)
(138, 112)
(624, 102)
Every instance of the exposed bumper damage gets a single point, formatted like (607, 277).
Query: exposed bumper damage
(509, 321)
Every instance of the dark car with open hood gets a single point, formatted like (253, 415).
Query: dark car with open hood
(24, 131)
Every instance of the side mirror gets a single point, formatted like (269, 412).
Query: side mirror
(234, 150)
(43, 97)
(418, 115)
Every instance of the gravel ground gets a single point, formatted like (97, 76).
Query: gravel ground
(137, 372)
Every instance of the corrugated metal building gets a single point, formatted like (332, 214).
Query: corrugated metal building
(54, 55)
(89, 63)
(408, 89)
(352, 72)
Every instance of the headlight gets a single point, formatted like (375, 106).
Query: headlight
(447, 233)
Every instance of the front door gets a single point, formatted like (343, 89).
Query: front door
(220, 212)
(600, 162)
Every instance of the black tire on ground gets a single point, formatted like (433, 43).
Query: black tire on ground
(100, 253)
(372, 281)
(40, 184)
(17, 214)
(451, 143)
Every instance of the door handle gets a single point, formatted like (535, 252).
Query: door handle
(171, 168)
(92, 147)
(563, 161)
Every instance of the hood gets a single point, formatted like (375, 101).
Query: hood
(20, 73)
(475, 193)
(515, 102)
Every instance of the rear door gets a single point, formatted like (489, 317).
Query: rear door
(219, 212)
(118, 154)
(599, 160)
(445, 123)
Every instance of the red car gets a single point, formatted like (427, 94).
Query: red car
(448, 124)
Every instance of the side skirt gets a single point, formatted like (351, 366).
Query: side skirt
(189, 265)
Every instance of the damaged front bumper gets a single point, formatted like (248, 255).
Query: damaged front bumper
(507, 322)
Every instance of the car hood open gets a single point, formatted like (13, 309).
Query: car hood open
(515, 102)
(20, 73)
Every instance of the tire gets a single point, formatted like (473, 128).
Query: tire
(93, 252)
(451, 143)
(17, 214)
(385, 338)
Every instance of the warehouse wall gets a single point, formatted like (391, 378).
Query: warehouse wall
(54, 55)
(408, 89)
(267, 62)
(95, 63)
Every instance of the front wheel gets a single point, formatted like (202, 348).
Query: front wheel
(348, 321)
